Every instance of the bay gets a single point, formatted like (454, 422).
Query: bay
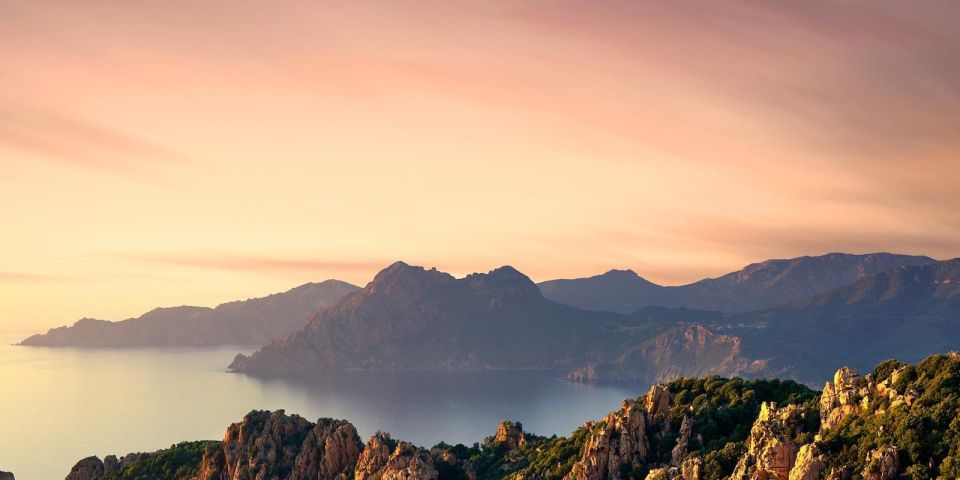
(58, 405)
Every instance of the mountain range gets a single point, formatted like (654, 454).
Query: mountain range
(904, 313)
(410, 317)
(756, 286)
(794, 318)
(248, 322)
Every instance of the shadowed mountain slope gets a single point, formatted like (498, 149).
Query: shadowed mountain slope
(409, 317)
(905, 312)
(756, 286)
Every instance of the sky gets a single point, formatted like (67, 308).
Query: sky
(159, 153)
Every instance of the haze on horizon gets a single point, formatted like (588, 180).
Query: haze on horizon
(167, 153)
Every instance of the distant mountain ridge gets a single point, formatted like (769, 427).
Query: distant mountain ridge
(411, 317)
(756, 286)
(905, 312)
(248, 322)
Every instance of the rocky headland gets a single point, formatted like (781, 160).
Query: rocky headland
(254, 321)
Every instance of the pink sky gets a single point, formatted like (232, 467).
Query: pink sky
(163, 153)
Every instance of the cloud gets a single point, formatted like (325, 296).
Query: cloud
(26, 277)
(257, 264)
(72, 139)
(753, 240)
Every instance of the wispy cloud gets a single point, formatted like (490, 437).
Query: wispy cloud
(72, 138)
(26, 277)
(255, 263)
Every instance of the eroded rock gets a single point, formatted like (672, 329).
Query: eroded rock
(617, 441)
(681, 449)
(273, 444)
(809, 463)
(771, 450)
(657, 402)
(386, 459)
(89, 468)
(510, 436)
(882, 464)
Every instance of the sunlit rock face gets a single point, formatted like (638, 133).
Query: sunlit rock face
(657, 402)
(275, 445)
(618, 440)
(510, 436)
(882, 464)
(771, 450)
(386, 459)
(809, 464)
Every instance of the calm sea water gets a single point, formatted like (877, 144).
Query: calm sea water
(60, 405)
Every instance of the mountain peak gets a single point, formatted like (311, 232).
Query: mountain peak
(507, 272)
(402, 277)
(502, 284)
(613, 272)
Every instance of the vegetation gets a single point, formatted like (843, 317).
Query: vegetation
(722, 410)
(926, 431)
(180, 461)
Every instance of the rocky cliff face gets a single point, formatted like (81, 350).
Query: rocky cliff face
(681, 350)
(92, 468)
(809, 464)
(275, 445)
(682, 448)
(619, 442)
(771, 448)
(850, 394)
(509, 436)
(386, 459)
(883, 464)
(657, 402)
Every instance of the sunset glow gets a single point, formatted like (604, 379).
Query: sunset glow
(167, 153)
